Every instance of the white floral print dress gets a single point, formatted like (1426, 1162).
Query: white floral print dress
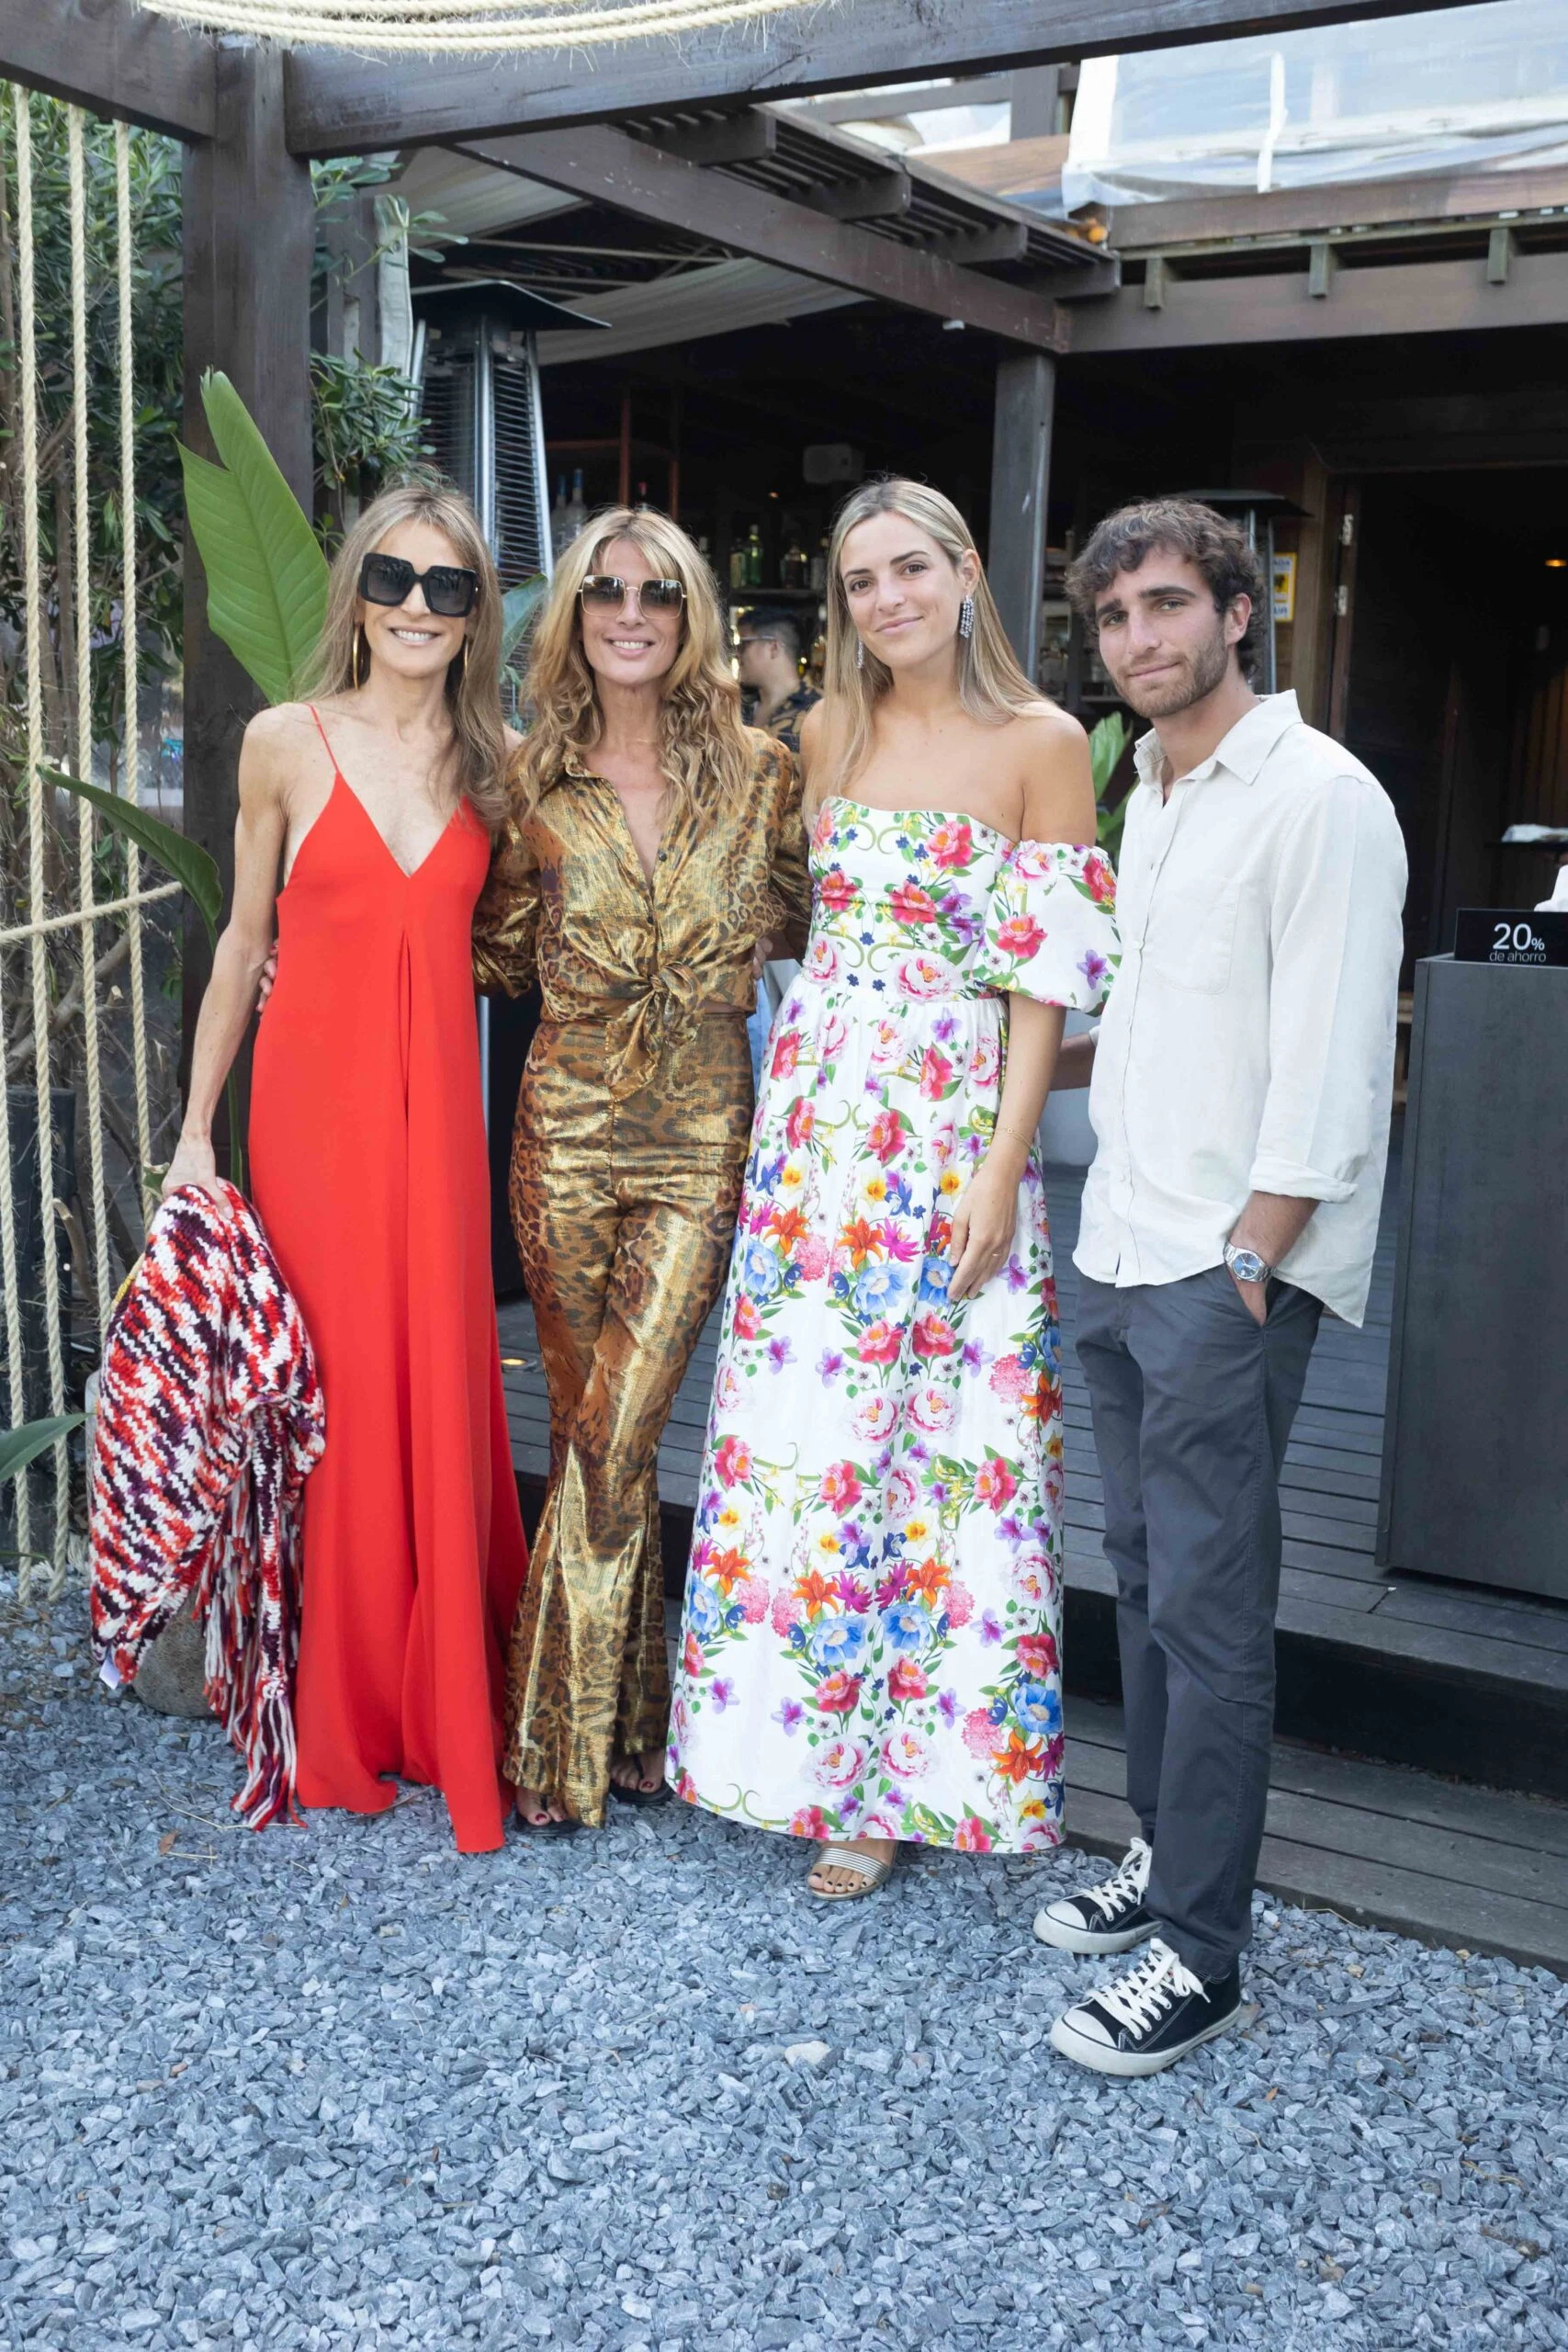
(869, 1643)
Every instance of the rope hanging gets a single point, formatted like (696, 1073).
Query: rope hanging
(82, 622)
(64, 602)
(131, 787)
(16, 1364)
(436, 27)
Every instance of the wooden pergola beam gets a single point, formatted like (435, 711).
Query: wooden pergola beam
(605, 166)
(341, 104)
(1423, 197)
(1439, 296)
(114, 59)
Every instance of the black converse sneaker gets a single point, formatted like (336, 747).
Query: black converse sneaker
(1104, 1919)
(1149, 2018)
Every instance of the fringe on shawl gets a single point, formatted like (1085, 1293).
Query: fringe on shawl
(252, 1651)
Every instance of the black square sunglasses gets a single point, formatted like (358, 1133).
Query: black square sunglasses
(449, 590)
(607, 590)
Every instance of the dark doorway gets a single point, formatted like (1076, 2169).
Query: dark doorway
(1452, 576)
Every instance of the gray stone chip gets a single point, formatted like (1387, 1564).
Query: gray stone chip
(339, 2087)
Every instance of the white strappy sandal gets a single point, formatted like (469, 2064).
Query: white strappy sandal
(871, 1871)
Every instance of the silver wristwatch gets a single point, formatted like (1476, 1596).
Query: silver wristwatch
(1247, 1265)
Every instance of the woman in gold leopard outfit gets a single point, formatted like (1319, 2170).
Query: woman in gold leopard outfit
(653, 850)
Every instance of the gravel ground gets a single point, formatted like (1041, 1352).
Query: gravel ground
(340, 2088)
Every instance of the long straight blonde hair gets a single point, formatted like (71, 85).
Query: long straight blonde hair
(477, 764)
(991, 686)
(706, 752)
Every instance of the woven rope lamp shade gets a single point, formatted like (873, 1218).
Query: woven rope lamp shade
(435, 28)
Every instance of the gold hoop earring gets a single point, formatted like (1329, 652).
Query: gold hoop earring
(463, 660)
(354, 656)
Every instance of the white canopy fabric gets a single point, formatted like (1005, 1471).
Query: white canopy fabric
(695, 300)
(720, 298)
(1471, 89)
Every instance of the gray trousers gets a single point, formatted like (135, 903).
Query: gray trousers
(1192, 1403)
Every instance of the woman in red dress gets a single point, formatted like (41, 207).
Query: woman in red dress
(377, 801)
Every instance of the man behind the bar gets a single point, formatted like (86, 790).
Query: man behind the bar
(769, 647)
(1242, 1077)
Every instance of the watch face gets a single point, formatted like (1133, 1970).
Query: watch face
(1247, 1265)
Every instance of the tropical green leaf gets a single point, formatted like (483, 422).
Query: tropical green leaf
(19, 1447)
(518, 607)
(1108, 740)
(190, 865)
(266, 577)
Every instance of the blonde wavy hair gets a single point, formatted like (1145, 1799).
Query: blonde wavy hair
(991, 686)
(705, 749)
(477, 764)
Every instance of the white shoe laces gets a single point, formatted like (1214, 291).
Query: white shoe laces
(1127, 1885)
(1139, 1999)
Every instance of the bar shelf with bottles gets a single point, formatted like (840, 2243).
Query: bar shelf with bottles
(787, 569)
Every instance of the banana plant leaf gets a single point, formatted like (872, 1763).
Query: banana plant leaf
(266, 577)
(190, 865)
(19, 1447)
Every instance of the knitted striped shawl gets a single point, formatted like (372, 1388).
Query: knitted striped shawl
(209, 1420)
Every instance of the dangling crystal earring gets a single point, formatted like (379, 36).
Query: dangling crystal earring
(859, 655)
(354, 657)
(967, 617)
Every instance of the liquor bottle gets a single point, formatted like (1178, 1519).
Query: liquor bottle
(795, 567)
(753, 573)
(577, 508)
(558, 516)
(642, 498)
(738, 565)
(817, 576)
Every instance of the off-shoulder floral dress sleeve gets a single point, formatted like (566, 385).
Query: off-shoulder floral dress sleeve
(1051, 926)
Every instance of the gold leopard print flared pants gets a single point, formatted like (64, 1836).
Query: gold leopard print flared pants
(624, 1213)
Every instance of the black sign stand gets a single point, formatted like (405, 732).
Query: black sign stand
(1511, 935)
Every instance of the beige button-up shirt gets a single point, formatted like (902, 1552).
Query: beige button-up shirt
(1247, 1044)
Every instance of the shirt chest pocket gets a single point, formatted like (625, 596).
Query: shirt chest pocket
(1190, 935)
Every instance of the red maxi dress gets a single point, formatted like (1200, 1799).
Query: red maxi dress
(368, 1168)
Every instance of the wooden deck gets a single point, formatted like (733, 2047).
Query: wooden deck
(1378, 1843)
(1464, 1685)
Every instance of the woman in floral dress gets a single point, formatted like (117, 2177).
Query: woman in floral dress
(869, 1651)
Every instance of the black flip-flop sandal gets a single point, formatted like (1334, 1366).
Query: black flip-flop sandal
(543, 1828)
(644, 1797)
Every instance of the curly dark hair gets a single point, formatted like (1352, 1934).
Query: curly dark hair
(1220, 550)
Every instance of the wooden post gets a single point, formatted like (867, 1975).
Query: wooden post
(1021, 477)
(346, 318)
(248, 240)
(1036, 103)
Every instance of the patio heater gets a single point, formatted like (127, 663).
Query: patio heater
(477, 367)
